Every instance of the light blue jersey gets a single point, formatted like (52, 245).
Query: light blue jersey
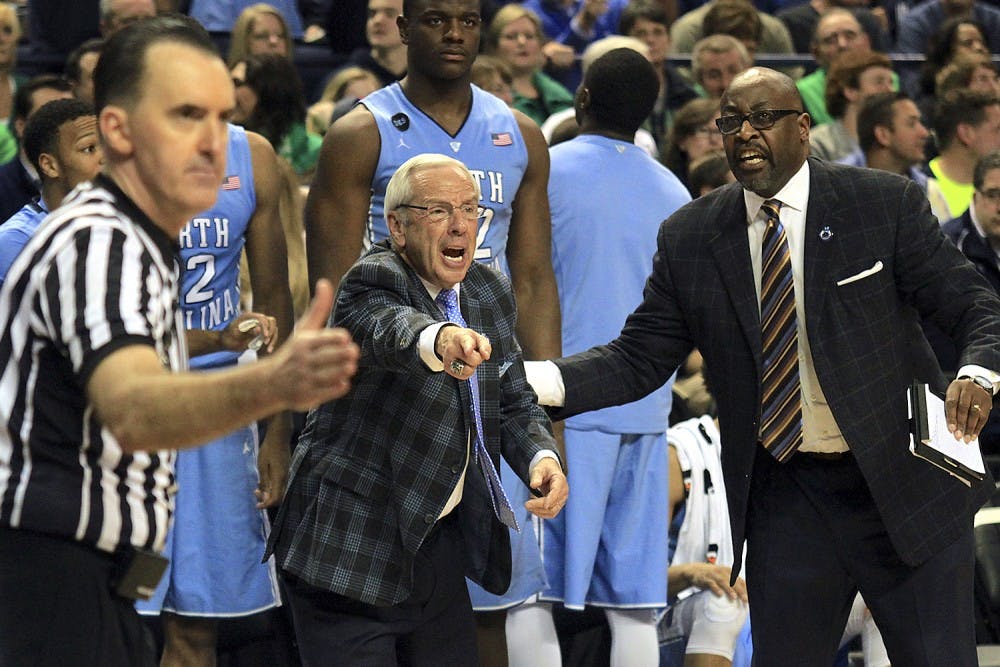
(17, 231)
(210, 248)
(607, 199)
(489, 144)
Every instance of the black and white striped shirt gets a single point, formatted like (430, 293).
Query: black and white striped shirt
(97, 275)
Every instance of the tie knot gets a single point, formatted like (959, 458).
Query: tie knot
(771, 209)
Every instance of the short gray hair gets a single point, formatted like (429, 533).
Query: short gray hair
(400, 188)
(717, 44)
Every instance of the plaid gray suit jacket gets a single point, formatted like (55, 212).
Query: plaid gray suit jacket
(373, 470)
(865, 337)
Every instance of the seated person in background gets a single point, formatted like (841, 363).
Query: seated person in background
(837, 31)
(571, 26)
(703, 606)
(688, 29)
(10, 35)
(967, 127)
(235, 15)
(79, 70)
(345, 88)
(492, 75)
(971, 71)
(515, 37)
(61, 142)
(693, 135)
(957, 37)
(853, 76)
(270, 101)
(715, 61)
(920, 22)
(707, 173)
(647, 20)
(385, 54)
(736, 18)
(117, 14)
(801, 18)
(19, 182)
(977, 234)
(260, 29)
(891, 137)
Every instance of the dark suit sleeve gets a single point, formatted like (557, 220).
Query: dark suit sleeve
(378, 305)
(652, 344)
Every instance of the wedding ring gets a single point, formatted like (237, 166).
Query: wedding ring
(976, 408)
(457, 367)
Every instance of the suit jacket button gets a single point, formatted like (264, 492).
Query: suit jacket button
(429, 519)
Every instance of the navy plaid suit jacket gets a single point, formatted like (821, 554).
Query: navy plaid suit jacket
(865, 337)
(373, 470)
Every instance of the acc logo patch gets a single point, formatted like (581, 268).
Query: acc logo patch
(401, 122)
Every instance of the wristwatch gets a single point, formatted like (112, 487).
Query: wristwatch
(982, 382)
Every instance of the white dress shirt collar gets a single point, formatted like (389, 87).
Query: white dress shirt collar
(794, 195)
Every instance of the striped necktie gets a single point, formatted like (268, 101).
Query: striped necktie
(447, 300)
(781, 395)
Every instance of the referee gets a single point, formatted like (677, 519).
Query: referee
(93, 394)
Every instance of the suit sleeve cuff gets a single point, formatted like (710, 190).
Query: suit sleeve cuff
(972, 370)
(543, 454)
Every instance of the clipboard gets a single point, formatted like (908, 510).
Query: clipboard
(931, 441)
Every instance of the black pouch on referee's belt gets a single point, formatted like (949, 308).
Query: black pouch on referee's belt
(137, 573)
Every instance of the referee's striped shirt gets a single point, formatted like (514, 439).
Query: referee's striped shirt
(98, 275)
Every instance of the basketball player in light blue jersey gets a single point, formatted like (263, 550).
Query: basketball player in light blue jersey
(220, 527)
(608, 199)
(436, 109)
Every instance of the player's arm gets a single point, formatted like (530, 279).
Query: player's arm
(268, 264)
(148, 407)
(529, 253)
(337, 206)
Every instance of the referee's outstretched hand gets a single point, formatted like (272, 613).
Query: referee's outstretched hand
(317, 363)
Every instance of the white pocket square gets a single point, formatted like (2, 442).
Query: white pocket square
(864, 274)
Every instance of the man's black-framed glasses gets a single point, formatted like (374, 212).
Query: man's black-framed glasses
(762, 119)
(441, 211)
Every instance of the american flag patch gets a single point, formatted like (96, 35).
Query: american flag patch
(501, 138)
(231, 183)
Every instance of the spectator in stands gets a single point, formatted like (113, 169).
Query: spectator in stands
(648, 20)
(736, 18)
(61, 143)
(260, 29)
(837, 31)
(891, 137)
(693, 135)
(967, 127)
(79, 70)
(716, 59)
(707, 173)
(116, 14)
(515, 37)
(977, 234)
(917, 26)
(224, 17)
(574, 24)
(19, 182)
(10, 34)
(385, 54)
(270, 101)
(972, 71)
(800, 19)
(346, 87)
(492, 75)
(853, 76)
(956, 36)
(688, 29)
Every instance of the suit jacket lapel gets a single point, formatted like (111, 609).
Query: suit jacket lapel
(820, 239)
(731, 250)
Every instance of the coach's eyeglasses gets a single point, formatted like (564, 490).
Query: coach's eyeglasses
(764, 119)
(992, 195)
(441, 211)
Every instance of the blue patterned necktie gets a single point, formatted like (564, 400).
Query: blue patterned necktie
(781, 395)
(447, 300)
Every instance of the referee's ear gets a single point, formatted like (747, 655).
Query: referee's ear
(116, 131)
